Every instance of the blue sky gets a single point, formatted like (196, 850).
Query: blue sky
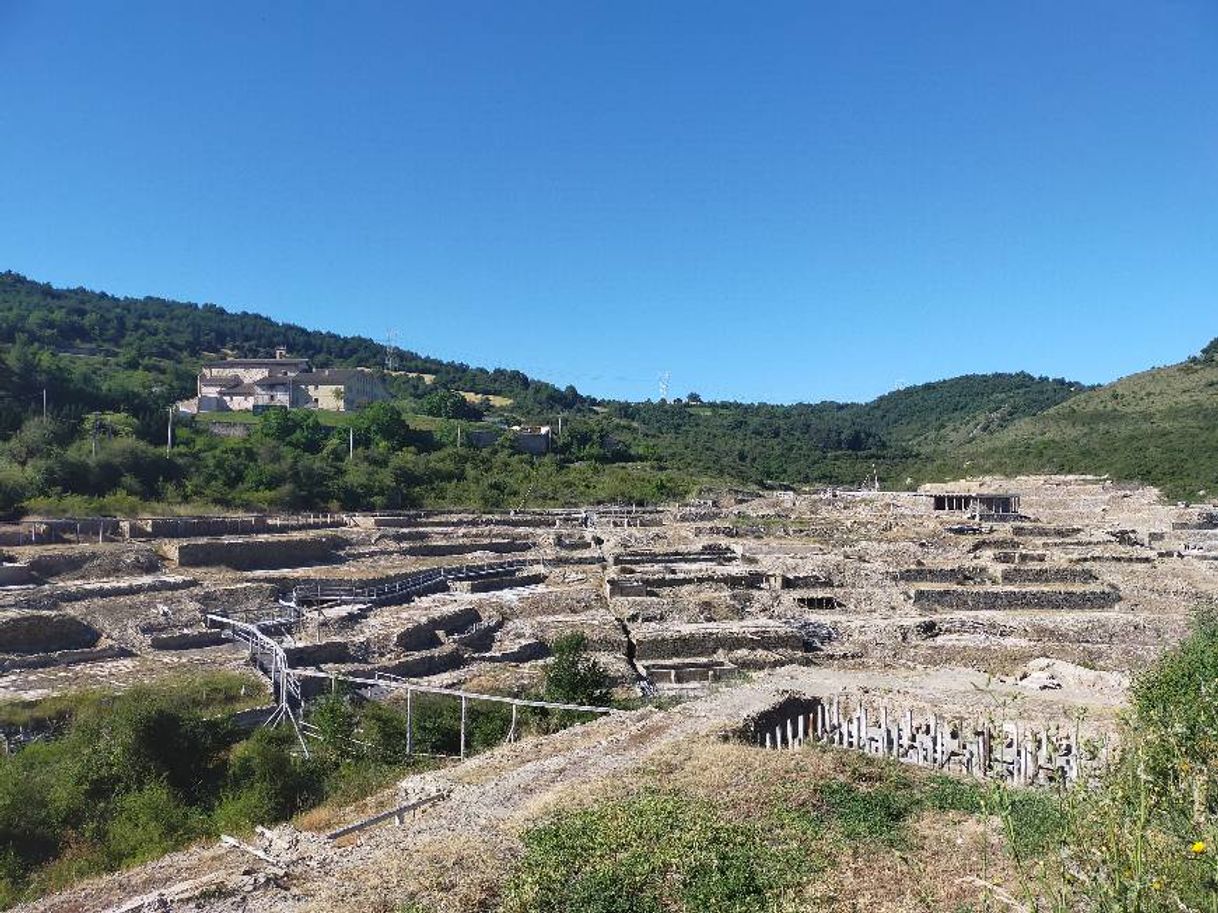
(771, 201)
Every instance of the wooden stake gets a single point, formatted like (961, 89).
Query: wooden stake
(464, 702)
(409, 721)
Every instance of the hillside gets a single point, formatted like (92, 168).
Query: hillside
(95, 353)
(1158, 427)
(837, 443)
(164, 341)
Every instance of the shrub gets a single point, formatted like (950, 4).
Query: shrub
(574, 677)
(1145, 838)
(266, 782)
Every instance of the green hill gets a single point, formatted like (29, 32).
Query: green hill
(129, 358)
(836, 443)
(107, 352)
(1158, 427)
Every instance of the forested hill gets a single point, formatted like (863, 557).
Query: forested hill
(125, 359)
(1158, 427)
(151, 333)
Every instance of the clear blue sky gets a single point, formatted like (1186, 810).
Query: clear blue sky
(772, 201)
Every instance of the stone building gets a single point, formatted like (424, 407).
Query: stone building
(254, 384)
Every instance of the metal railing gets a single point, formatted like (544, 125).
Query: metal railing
(269, 657)
(402, 589)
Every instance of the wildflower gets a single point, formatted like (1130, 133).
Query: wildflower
(1198, 847)
(1157, 885)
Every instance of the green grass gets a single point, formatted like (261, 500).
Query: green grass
(648, 854)
(206, 693)
(1159, 427)
(666, 848)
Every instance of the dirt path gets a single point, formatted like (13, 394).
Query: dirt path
(490, 797)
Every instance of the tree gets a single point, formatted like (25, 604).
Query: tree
(448, 404)
(298, 428)
(381, 424)
(693, 398)
(575, 677)
(1210, 352)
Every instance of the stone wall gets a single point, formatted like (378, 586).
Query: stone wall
(44, 632)
(989, 599)
(332, 651)
(255, 554)
(709, 639)
(941, 574)
(187, 640)
(440, 549)
(425, 634)
(15, 574)
(489, 584)
(1047, 574)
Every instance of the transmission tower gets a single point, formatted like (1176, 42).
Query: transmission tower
(391, 350)
(665, 377)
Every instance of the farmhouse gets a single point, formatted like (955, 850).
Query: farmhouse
(255, 384)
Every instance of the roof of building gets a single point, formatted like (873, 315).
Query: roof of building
(329, 376)
(254, 362)
(223, 380)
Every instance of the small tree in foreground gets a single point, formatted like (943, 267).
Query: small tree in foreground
(574, 676)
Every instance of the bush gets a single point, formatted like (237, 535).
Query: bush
(1146, 838)
(574, 677)
(266, 782)
(148, 823)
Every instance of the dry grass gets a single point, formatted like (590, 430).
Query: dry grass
(458, 873)
(951, 863)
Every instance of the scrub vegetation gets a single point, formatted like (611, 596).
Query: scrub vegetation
(119, 779)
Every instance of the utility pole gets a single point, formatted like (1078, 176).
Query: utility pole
(169, 432)
(458, 435)
(94, 434)
(44, 404)
(351, 443)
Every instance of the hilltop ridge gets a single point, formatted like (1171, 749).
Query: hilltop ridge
(93, 352)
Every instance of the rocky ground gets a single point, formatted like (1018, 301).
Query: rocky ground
(725, 603)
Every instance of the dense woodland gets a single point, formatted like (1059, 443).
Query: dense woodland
(110, 367)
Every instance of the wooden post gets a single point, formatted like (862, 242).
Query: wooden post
(464, 702)
(409, 721)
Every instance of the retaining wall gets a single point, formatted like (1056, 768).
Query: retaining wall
(432, 662)
(189, 527)
(706, 640)
(255, 554)
(44, 632)
(15, 575)
(64, 658)
(187, 640)
(942, 574)
(1072, 574)
(332, 651)
(439, 549)
(425, 634)
(489, 584)
(977, 599)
